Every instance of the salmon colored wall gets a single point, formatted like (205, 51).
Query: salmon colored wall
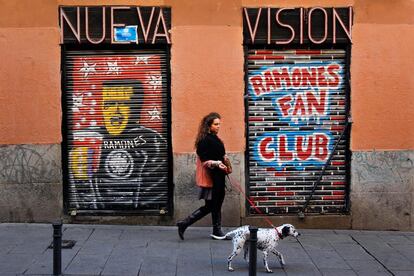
(30, 82)
(207, 69)
(30, 86)
(382, 84)
(30, 110)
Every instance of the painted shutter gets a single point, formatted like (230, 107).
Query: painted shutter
(296, 112)
(117, 130)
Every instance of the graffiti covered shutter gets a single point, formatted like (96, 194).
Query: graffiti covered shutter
(117, 130)
(296, 113)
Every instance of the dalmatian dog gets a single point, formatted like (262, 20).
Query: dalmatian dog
(267, 240)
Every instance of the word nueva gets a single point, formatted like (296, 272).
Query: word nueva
(155, 26)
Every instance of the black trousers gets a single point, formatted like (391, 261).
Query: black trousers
(212, 205)
(217, 198)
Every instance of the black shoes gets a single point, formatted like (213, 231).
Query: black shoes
(217, 233)
(196, 215)
(181, 228)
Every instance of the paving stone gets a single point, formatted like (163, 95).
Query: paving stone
(395, 261)
(317, 232)
(124, 264)
(392, 238)
(99, 247)
(328, 259)
(160, 266)
(129, 250)
(315, 243)
(190, 265)
(37, 246)
(292, 251)
(80, 235)
(365, 265)
(403, 273)
(135, 234)
(383, 252)
(411, 238)
(162, 249)
(338, 238)
(373, 232)
(337, 272)
(373, 273)
(86, 264)
(200, 253)
(352, 252)
(407, 250)
(219, 265)
(106, 234)
(368, 240)
(15, 263)
(130, 246)
(6, 246)
(221, 248)
(298, 267)
(346, 231)
(44, 264)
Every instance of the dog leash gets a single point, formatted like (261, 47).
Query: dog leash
(238, 187)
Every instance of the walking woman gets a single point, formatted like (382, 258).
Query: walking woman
(211, 157)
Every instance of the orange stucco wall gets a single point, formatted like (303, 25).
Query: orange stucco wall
(381, 68)
(207, 69)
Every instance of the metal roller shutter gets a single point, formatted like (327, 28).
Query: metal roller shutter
(296, 108)
(117, 131)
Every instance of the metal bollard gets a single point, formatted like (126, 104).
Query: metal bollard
(57, 248)
(253, 251)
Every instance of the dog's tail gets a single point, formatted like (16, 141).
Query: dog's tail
(227, 236)
(218, 237)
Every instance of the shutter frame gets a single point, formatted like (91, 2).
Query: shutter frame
(284, 189)
(129, 171)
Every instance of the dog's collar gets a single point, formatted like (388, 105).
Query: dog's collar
(279, 234)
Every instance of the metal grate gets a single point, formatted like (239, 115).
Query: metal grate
(296, 111)
(117, 130)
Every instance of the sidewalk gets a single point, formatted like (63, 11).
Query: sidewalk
(148, 250)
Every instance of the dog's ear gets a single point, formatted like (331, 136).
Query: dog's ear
(285, 231)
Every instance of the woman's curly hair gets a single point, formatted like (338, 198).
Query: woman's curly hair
(204, 127)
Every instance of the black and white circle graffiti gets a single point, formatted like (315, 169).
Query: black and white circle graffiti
(119, 164)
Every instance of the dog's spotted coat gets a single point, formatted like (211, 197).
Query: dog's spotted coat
(267, 240)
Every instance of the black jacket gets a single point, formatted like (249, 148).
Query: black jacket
(212, 148)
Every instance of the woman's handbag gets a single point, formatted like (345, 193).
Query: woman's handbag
(203, 177)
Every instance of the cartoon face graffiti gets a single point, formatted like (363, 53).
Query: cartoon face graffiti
(116, 110)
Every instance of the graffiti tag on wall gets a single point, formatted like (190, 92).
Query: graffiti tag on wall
(299, 96)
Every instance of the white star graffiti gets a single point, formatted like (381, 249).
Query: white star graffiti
(113, 68)
(155, 114)
(77, 102)
(155, 81)
(143, 59)
(87, 69)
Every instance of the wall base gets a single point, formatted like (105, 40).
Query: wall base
(382, 190)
